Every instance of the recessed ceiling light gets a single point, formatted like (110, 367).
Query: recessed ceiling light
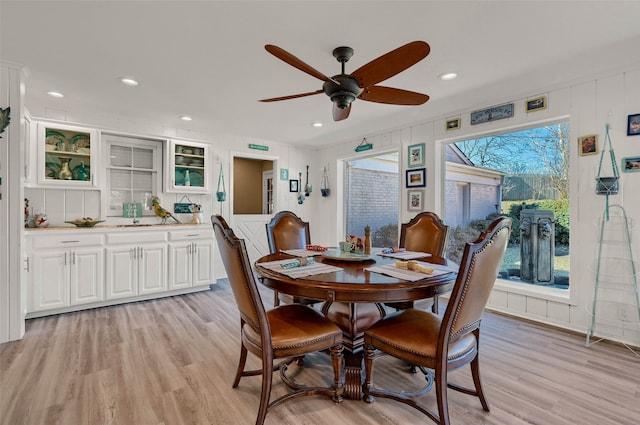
(317, 124)
(129, 81)
(448, 76)
(55, 94)
(186, 118)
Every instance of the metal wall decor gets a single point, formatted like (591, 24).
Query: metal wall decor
(492, 114)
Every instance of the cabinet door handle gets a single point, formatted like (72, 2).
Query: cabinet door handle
(189, 249)
(26, 263)
(195, 248)
(70, 241)
(65, 258)
(73, 257)
(141, 252)
(132, 253)
(192, 236)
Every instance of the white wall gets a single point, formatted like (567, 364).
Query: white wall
(589, 105)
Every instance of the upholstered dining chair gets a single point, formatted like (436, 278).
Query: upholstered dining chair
(285, 332)
(439, 343)
(423, 233)
(287, 231)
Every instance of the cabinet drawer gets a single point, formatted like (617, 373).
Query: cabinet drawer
(187, 235)
(136, 238)
(67, 241)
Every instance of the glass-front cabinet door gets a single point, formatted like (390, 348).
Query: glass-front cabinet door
(188, 167)
(67, 155)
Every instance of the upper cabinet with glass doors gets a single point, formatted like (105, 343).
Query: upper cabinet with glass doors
(188, 167)
(67, 155)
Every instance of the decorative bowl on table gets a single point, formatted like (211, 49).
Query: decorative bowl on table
(84, 222)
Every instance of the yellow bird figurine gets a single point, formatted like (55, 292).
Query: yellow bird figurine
(161, 212)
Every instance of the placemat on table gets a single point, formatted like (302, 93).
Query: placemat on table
(302, 271)
(301, 252)
(405, 255)
(410, 275)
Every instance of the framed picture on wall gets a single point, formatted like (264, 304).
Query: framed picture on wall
(537, 104)
(293, 186)
(416, 200)
(417, 178)
(415, 155)
(453, 124)
(631, 164)
(588, 144)
(633, 125)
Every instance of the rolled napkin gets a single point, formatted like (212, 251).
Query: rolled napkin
(298, 262)
(392, 250)
(415, 266)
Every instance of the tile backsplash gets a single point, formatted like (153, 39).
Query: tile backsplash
(62, 205)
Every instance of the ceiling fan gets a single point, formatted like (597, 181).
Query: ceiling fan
(343, 88)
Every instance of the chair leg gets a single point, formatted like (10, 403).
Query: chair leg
(276, 298)
(434, 307)
(475, 372)
(441, 394)
(241, 363)
(336, 360)
(369, 355)
(267, 378)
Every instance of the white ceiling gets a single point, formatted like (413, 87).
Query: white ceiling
(206, 59)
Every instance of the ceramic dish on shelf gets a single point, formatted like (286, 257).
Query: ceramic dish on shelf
(197, 162)
(336, 254)
(53, 138)
(181, 160)
(78, 222)
(80, 141)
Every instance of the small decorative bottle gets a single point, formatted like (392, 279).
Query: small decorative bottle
(82, 174)
(187, 178)
(367, 240)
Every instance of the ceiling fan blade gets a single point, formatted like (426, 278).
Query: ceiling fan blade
(341, 114)
(392, 96)
(295, 62)
(390, 64)
(293, 96)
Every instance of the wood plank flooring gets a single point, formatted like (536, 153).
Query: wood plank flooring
(171, 362)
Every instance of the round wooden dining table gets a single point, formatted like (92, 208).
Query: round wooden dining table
(353, 298)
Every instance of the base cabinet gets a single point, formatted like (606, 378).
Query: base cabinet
(138, 270)
(65, 277)
(70, 270)
(190, 259)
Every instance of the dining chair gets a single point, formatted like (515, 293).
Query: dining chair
(287, 231)
(423, 233)
(285, 332)
(443, 343)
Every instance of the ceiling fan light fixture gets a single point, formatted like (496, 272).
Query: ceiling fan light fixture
(342, 99)
(447, 76)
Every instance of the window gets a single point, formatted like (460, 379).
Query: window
(507, 173)
(134, 173)
(371, 182)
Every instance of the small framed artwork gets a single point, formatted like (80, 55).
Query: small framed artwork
(294, 186)
(588, 144)
(415, 155)
(631, 164)
(633, 125)
(416, 200)
(284, 174)
(417, 178)
(453, 124)
(537, 104)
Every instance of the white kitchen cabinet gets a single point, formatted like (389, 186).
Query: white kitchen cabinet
(65, 270)
(136, 269)
(190, 259)
(188, 167)
(66, 156)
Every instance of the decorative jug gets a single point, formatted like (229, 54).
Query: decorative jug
(65, 172)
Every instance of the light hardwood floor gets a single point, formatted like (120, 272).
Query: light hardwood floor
(171, 362)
